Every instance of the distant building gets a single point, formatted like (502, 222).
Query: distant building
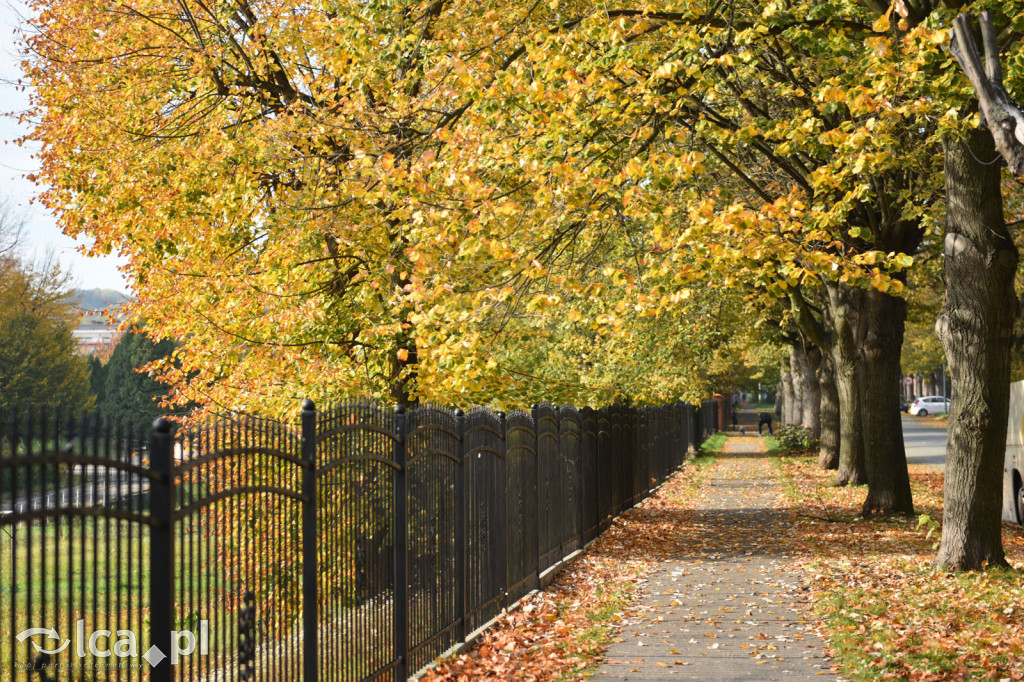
(95, 338)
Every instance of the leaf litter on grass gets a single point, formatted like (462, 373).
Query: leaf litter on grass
(886, 613)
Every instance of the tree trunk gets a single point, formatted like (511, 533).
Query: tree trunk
(882, 318)
(851, 470)
(786, 378)
(844, 308)
(796, 408)
(810, 357)
(828, 456)
(976, 327)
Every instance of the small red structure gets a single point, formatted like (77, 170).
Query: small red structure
(724, 410)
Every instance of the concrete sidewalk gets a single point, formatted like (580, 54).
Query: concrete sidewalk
(729, 605)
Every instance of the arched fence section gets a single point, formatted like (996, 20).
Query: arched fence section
(222, 477)
(355, 542)
(568, 494)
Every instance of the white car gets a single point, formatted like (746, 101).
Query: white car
(929, 404)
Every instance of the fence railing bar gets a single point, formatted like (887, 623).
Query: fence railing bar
(194, 462)
(187, 510)
(360, 428)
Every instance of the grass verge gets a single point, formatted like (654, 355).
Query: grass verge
(588, 643)
(886, 613)
(772, 446)
(713, 444)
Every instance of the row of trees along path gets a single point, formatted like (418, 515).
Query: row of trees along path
(728, 605)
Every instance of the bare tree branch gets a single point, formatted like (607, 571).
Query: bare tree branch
(1000, 114)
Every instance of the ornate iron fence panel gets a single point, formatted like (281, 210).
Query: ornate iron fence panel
(550, 487)
(570, 495)
(236, 520)
(522, 518)
(361, 494)
(485, 516)
(607, 477)
(620, 460)
(75, 546)
(590, 468)
(436, 533)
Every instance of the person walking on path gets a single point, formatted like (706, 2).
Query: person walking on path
(762, 419)
(729, 604)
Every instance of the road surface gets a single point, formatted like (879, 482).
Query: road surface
(925, 441)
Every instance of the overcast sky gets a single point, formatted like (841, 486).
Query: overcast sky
(16, 162)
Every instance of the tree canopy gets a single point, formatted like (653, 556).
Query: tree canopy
(377, 199)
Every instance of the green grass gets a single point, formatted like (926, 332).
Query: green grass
(79, 562)
(85, 569)
(702, 465)
(714, 444)
(772, 446)
(764, 407)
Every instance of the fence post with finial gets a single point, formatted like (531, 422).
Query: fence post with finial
(310, 541)
(161, 552)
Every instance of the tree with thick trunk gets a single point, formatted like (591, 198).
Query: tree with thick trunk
(976, 324)
(837, 335)
(797, 370)
(828, 455)
(885, 457)
(976, 328)
(809, 356)
(786, 392)
(844, 306)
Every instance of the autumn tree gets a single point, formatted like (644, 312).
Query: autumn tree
(39, 363)
(263, 167)
(323, 179)
(799, 205)
(828, 454)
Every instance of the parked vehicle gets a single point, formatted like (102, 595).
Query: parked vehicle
(929, 404)
(1013, 466)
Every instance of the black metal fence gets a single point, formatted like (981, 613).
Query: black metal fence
(360, 543)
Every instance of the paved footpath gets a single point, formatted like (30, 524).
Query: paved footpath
(729, 605)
